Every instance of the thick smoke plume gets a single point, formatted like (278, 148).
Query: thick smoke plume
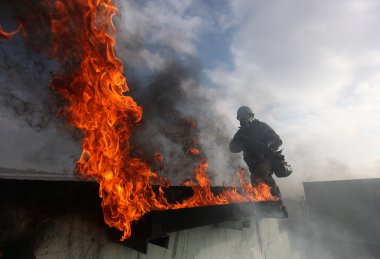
(177, 117)
(32, 136)
(178, 113)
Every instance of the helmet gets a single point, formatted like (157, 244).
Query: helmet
(244, 110)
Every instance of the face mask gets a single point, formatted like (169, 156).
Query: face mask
(246, 121)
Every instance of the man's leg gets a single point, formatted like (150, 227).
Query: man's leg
(264, 172)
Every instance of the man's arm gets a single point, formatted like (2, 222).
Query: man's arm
(236, 144)
(272, 138)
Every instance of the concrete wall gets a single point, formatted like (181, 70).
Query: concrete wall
(74, 237)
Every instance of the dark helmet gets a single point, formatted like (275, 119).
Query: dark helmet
(244, 110)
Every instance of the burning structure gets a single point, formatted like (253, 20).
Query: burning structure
(93, 88)
(43, 202)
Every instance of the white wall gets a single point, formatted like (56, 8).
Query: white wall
(75, 237)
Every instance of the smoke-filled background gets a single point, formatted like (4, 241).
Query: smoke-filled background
(308, 69)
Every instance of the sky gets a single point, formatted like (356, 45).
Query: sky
(310, 69)
(307, 68)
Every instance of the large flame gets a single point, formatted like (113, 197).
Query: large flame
(98, 104)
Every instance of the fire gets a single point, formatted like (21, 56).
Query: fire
(261, 192)
(96, 93)
(193, 151)
(8, 35)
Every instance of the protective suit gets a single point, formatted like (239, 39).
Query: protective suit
(259, 143)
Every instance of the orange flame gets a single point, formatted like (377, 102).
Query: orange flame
(99, 105)
(261, 192)
(8, 35)
(193, 151)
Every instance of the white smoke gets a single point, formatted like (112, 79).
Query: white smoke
(307, 69)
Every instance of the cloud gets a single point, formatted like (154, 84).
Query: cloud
(154, 32)
(310, 69)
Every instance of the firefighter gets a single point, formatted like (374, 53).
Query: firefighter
(259, 143)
